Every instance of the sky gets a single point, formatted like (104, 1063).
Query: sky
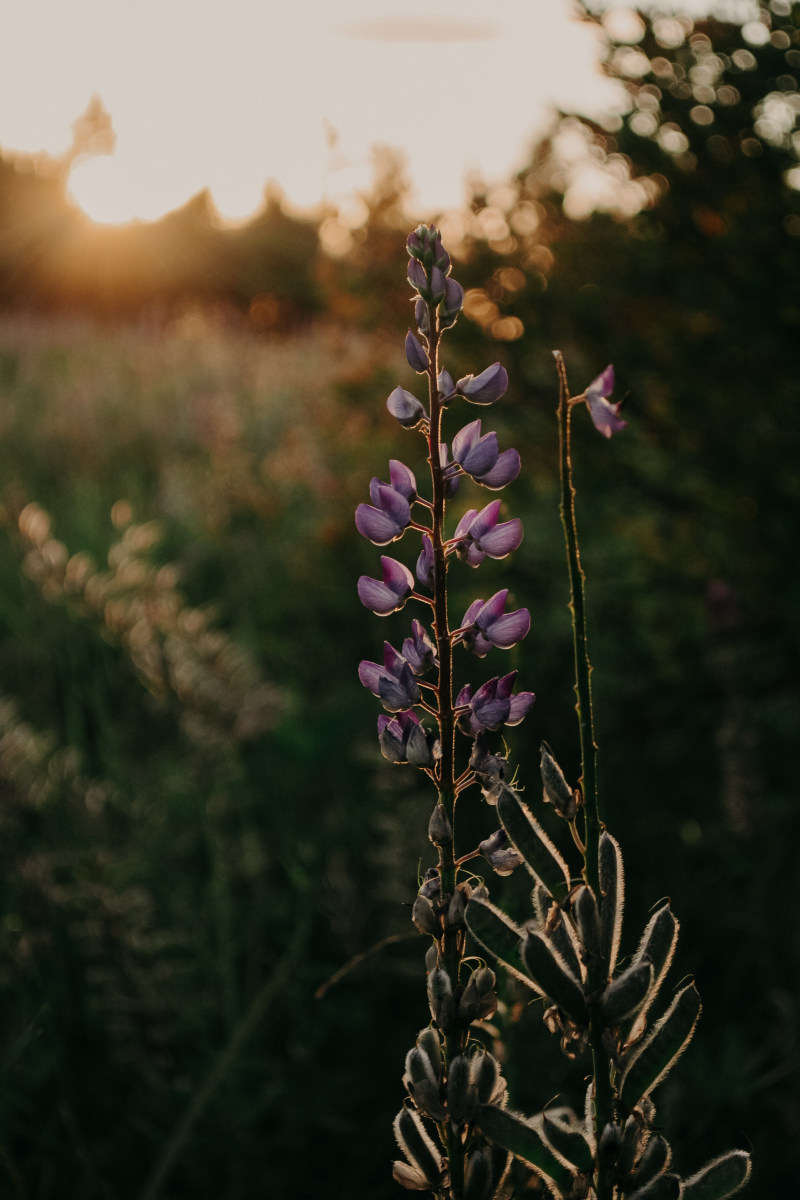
(230, 94)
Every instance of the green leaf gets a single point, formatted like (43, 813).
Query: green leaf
(552, 975)
(519, 1136)
(720, 1178)
(539, 853)
(569, 1142)
(498, 935)
(650, 1061)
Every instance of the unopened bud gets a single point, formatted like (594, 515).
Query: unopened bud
(440, 831)
(416, 355)
(452, 303)
(556, 789)
(445, 384)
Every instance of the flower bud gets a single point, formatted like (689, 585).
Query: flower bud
(418, 278)
(440, 831)
(422, 316)
(406, 408)
(445, 384)
(451, 304)
(416, 355)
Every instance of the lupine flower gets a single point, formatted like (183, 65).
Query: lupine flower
(387, 518)
(479, 534)
(499, 853)
(416, 355)
(403, 739)
(487, 625)
(604, 414)
(406, 408)
(485, 388)
(425, 563)
(493, 705)
(419, 650)
(393, 683)
(480, 457)
(390, 594)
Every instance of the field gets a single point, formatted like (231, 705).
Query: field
(198, 830)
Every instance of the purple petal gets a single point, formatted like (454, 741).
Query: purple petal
(397, 576)
(377, 597)
(485, 521)
(482, 456)
(605, 416)
(376, 525)
(424, 567)
(402, 479)
(369, 673)
(504, 470)
(509, 629)
(417, 276)
(519, 706)
(501, 540)
(405, 407)
(491, 610)
(436, 285)
(395, 505)
(485, 388)
(603, 385)
(463, 526)
(472, 612)
(505, 685)
(465, 439)
(445, 383)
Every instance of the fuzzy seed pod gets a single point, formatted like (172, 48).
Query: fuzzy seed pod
(569, 1143)
(487, 1078)
(430, 1044)
(478, 1000)
(498, 935)
(655, 1159)
(650, 1061)
(552, 975)
(625, 995)
(417, 1146)
(720, 1178)
(462, 1094)
(479, 1179)
(440, 999)
(612, 887)
(663, 1187)
(540, 855)
(587, 920)
(610, 1145)
(556, 789)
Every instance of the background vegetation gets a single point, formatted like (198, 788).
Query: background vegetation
(197, 828)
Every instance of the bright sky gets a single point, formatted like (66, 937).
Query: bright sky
(229, 94)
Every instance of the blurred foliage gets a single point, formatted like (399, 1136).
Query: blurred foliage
(178, 553)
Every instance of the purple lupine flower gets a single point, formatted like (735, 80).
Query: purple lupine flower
(416, 355)
(406, 408)
(393, 683)
(481, 458)
(500, 854)
(425, 563)
(419, 650)
(493, 705)
(403, 739)
(604, 414)
(487, 625)
(390, 594)
(485, 388)
(385, 520)
(479, 534)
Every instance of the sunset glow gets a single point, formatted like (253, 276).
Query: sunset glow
(231, 96)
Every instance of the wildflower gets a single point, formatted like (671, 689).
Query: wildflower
(403, 739)
(493, 705)
(480, 457)
(488, 624)
(424, 567)
(389, 594)
(393, 683)
(604, 414)
(478, 534)
(485, 388)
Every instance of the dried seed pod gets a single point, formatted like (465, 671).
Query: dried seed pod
(569, 1143)
(587, 919)
(498, 935)
(612, 887)
(556, 789)
(479, 1177)
(487, 1078)
(625, 995)
(440, 998)
(462, 1094)
(650, 1061)
(540, 855)
(417, 1146)
(720, 1178)
(553, 977)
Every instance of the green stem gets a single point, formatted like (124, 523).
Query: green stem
(603, 1092)
(452, 947)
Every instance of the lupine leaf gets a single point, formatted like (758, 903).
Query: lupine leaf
(650, 1061)
(517, 1135)
(539, 853)
(720, 1178)
(569, 1142)
(552, 975)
